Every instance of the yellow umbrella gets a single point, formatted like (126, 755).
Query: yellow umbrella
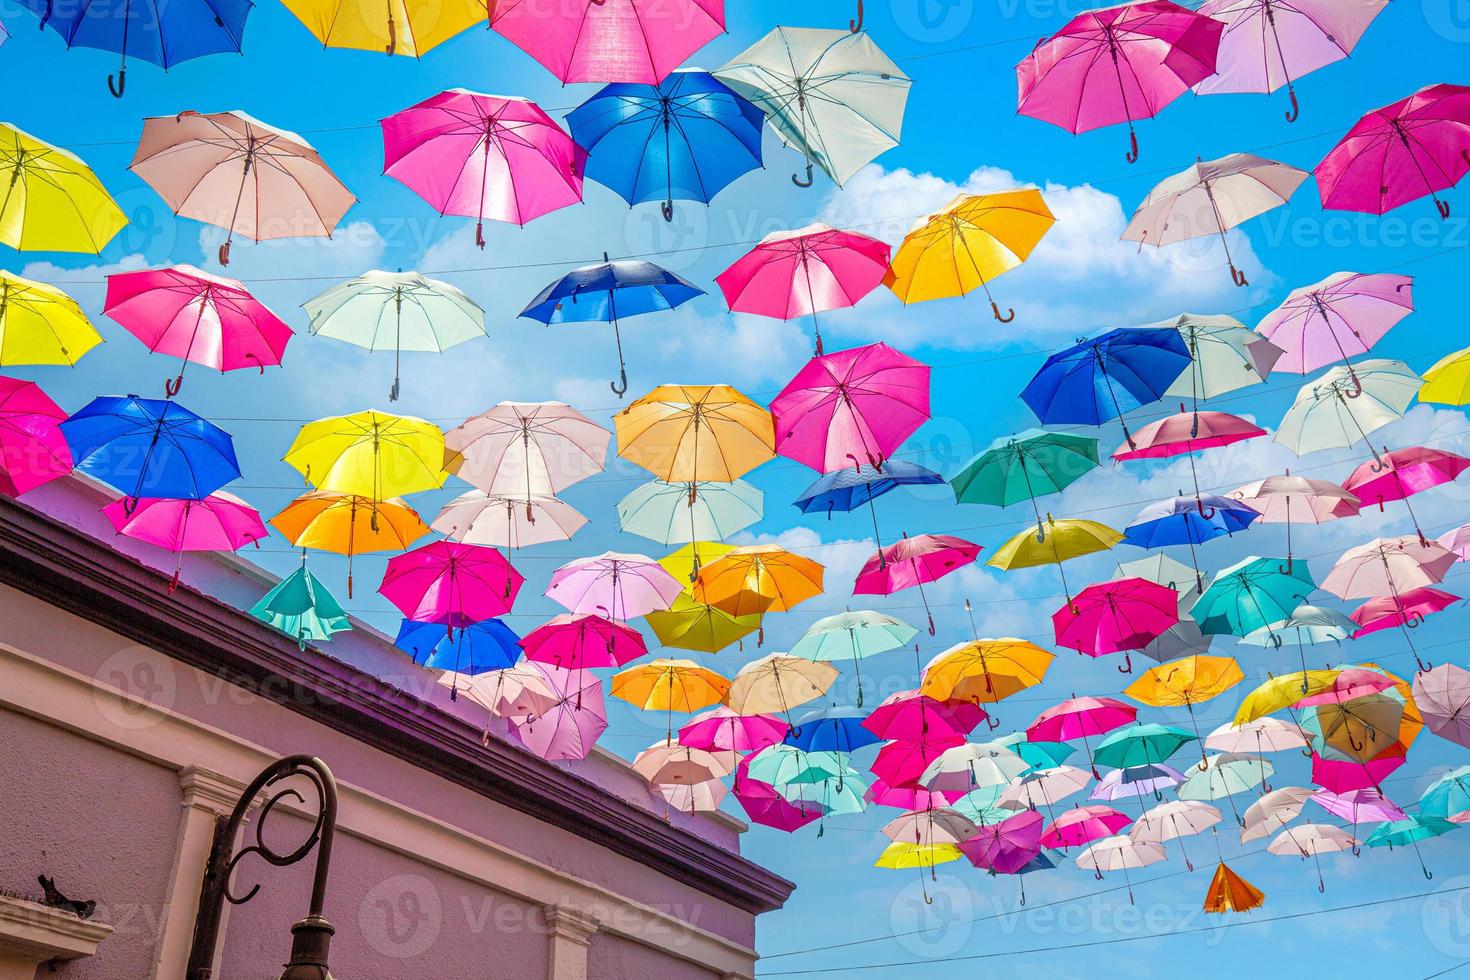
(410, 27)
(691, 625)
(1282, 692)
(52, 201)
(1448, 382)
(689, 433)
(1064, 540)
(684, 563)
(370, 454)
(985, 670)
(39, 324)
(347, 524)
(974, 239)
(904, 854)
(756, 579)
(1186, 682)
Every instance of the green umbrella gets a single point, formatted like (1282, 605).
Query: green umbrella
(1140, 745)
(301, 607)
(1411, 830)
(1025, 466)
(1253, 594)
(853, 635)
(1042, 755)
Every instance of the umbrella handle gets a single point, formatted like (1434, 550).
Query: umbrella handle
(1357, 390)
(392, 38)
(171, 386)
(1097, 874)
(1321, 885)
(1427, 873)
(1127, 666)
(1207, 513)
(1295, 109)
(1238, 277)
(480, 234)
(857, 466)
(620, 387)
(932, 630)
(393, 391)
(121, 84)
(667, 208)
(1188, 863)
(224, 253)
(1444, 214)
(1132, 158)
(995, 311)
(799, 182)
(856, 25)
(1423, 667)
(46, 16)
(991, 721)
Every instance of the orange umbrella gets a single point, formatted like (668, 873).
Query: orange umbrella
(348, 524)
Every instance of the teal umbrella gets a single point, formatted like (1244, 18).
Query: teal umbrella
(1140, 745)
(983, 805)
(853, 636)
(1411, 831)
(1253, 595)
(678, 513)
(1042, 755)
(785, 765)
(301, 607)
(1025, 466)
(1449, 797)
(1308, 625)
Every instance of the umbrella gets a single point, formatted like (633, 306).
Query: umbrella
(851, 407)
(39, 324)
(187, 313)
(1140, 745)
(411, 27)
(33, 449)
(1040, 754)
(1224, 775)
(669, 763)
(302, 608)
(1338, 318)
(692, 625)
(1317, 501)
(1401, 473)
(669, 686)
(526, 448)
(1406, 609)
(1187, 433)
(570, 727)
(577, 641)
(1045, 786)
(969, 242)
(985, 670)
(911, 562)
(1188, 520)
(1083, 825)
(1457, 541)
(1229, 892)
(1252, 594)
(1273, 811)
(372, 454)
(635, 41)
(764, 805)
(1164, 570)
(675, 513)
(1118, 616)
(349, 524)
(1448, 382)
(776, 683)
(1341, 775)
(1346, 404)
(1267, 44)
(507, 522)
(61, 205)
(690, 433)
(1185, 683)
(701, 797)
(811, 270)
(1108, 376)
(853, 635)
(1388, 566)
(1174, 820)
(900, 855)
(1312, 840)
(684, 138)
(1135, 781)
(396, 311)
(1117, 64)
(1080, 718)
(900, 763)
(968, 766)
(851, 487)
(607, 292)
(831, 729)
(483, 156)
(757, 579)
(1120, 854)
(1443, 697)
(218, 522)
(1400, 152)
(620, 585)
(1007, 846)
(1226, 356)
(1410, 830)
(935, 825)
(450, 584)
(721, 729)
(1448, 798)
(785, 765)
(910, 715)
(1210, 198)
(145, 447)
(1283, 691)
(1359, 806)
(1025, 466)
(233, 171)
(831, 95)
(1052, 543)
(482, 647)
(1259, 736)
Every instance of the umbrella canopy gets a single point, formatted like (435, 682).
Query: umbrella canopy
(1443, 697)
(484, 157)
(1388, 566)
(831, 729)
(233, 171)
(218, 522)
(1399, 153)
(619, 585)
(1259, 736)
(33, 449)
(1080, 718)
(40, 324)
(1187, 520)
(1052, 543)
(1252, 594)
(1172, 820)
(577, 641)
(722, 730)
(1407, 609)
(1448, 798)
(853, 636)
(1121, 853)
(675, 513)
(507, 522)
(411, 27)
(1187, 432)
(302, 608)
(1224, 774)
(1311, 839)
(450, 584)
(1338, 318)
(985, 670)
(61, 207)
(689, 433)
(349, 524)
(396, 311)
(1007, 846)
(756, 579)
(1401, 473)
(1136, 781)
(1273, 811)
(1140, 745)
(1045, 787)
(1186, 682)
(1118, 616)
(671, 685)
(570, 727)
(1227, 356)
(1025, 466)
(372, 454)
(1346, 404)
(969, 766)
(1210, 198)
(764, 805)
(1448, 382)
(851, 487)
(831, 95)
(685, 138)
(692, 625)
(851, 407)
(973, 239)
(1117, 64)
(635, 41)
(145, 447)
(479, 648)
(1083, 825)
(526, 448)
(776, 683)
(911, 562)
(1359, 806)
(669, 763)
(910, 715)
(1229, 892)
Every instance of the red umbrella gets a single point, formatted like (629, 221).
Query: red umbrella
(900, 764)
(912, 562)
(1400, 474)
(1405, 609)
(1118, 616)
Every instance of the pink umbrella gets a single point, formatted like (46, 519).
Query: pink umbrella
(1358, 806)
(911, 562)
(1187, 432)
(621, 586)
(1340, 317)
(1083, 825)
(1112, 617)
(900, 764)
(1443, 698)
(1407, 609)
(1005, 847)
(805, 272)
(452, 584)
(32, 449)
(852, 407)
(1117, 64)
(219, 522)
(765, 806)
(1268, 44)
(1081, 718)
(911, 715)
(1343, 776)
(725, 731)
(1286, 498)
(1457, 542)
(483, 156)
(1350, 684)
(1399, 153)
(880, 793)
(187, 313)
(570, 727)
(1387, 566)
(576, 641)
(627, 41)
(1400, 474)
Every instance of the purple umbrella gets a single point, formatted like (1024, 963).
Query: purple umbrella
(570, 727)
(1443, 698)
(1006, 847)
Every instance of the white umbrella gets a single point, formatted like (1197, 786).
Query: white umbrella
(1273, 811)
(526, 448)
(1121, 853)
(478, 517)
(678, 513)
(1173, 820)
(1227, 356)
(972, 766)
(1043, 787)
(1336, 411)
(1265, 734)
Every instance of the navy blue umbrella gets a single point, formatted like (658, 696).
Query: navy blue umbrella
(147, 447)
(1107, 377)
(476, 649)
(608, 291)
(164, 32)
(831, 730)
(684, 139)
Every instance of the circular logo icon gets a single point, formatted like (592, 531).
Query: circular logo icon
(1450, 19)
(401, 916)
(932, 919)
(678, 241)
(146, 681)
(932, 21)
(1445, 916)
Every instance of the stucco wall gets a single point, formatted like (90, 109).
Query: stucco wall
(615, 958)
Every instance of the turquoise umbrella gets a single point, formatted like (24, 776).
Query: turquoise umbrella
(1411, 831)
(1042, 755)
(1025, 466)
(1140, 745)
(301, 607)
(1251, 595)
(678, 513)
(1449, 797)
(785, 765)
(853, 636)
(1307, 625)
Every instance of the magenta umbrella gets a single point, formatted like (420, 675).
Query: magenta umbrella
(32, 449)
(1399, 153)
(881, 793)
(452, 584)
(1187, 432)
(1400, 474)
(187, 313)
(483, 156)
(219, 522)
(596, 41)
(1343, 776)
(1083, 825)
(1081, 718)
(1117, 64)
(1118, 616)
(911, 715)
(1006, 846)
(576, 641)
(900, 764)
(1340, 317)
(1406, 609)
(804, 272)
(911, 562)
(852, 407)
(722, 730)
(1442, 696)
(571, 726)
(619, 585)
(767, 807)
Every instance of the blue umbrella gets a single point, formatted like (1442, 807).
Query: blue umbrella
(1107, 377)
(831, 730)
(476, 649)
(685, 138)
(1188, 520)
(608, 291)
(164, 33)
(147, 447)
(849, 488)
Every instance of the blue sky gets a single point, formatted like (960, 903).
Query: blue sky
(960, 132)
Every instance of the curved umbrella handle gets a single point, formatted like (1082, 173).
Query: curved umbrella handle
(393, 391)
(1238, 277)
(121, 84)
(991, 722)
(799, 182)
(667, 208)
(856, 465)
(224, 253)
(1097, 873)
(1132, 149)
(1295, 109)
(856, 25)
(995, 311)
(932, 630)
(1321, 885)
(1208, 513)
(171, 386)
(480, 234)
(1414, 619)
(1357, 389)
(620, 387)
(392, 38)
(1444, 215)
(1427, 873)
(1127, 666)
(1424, 668)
